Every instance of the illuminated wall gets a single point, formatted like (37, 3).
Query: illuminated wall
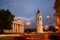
(17, 27)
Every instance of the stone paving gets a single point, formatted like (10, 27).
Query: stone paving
(33, 37)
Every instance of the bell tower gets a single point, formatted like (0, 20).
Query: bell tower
(39, 22)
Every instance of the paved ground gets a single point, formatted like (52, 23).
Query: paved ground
(30, 37)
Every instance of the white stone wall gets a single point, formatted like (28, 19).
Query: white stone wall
(39, 23)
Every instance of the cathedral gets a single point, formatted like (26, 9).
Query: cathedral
(17, 27)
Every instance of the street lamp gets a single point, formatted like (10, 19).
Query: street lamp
(49, 17)
(56, 28)
(28, 23)
(46, 27)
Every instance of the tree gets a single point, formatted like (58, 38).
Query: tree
(6, 19)
(52, 28)
(30, 30)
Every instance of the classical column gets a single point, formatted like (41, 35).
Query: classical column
(17, 28)
(13, 28)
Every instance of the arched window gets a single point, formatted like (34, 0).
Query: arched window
(40, 18)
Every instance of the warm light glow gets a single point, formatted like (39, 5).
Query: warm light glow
(46, 26)
(9, 35)
(48, 16)
(56, 27)
(28, 23)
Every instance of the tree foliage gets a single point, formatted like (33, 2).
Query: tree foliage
(29, 30)
(52, 28)
(6, 18)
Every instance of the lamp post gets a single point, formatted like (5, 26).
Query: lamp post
(46, 27)
(28, 23)
(56, 28)
(49, 17)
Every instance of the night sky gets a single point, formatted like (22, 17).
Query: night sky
(26, 9)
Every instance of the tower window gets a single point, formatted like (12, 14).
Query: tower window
(40, 18)
(38, 22)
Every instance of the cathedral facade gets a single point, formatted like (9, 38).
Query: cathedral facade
(17, 27)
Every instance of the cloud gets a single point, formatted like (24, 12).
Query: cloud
(25, 18)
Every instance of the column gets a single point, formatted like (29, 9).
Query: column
(13, 28)
(17, 28)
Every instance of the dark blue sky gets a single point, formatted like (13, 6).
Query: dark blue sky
(26, 9)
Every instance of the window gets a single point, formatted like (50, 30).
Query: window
(38, 22)
(40, 18)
